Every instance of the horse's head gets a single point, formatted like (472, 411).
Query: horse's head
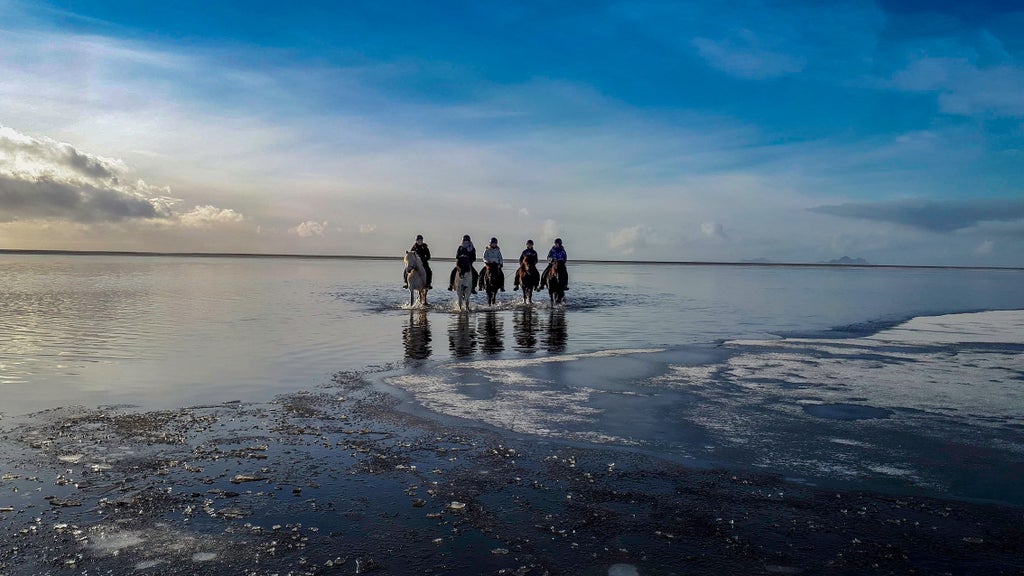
(412, 260)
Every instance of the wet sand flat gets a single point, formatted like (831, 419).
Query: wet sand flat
(338, 481)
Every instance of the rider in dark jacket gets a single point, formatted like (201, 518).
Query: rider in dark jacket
(530, 257)
(421, 249)
(465, 255)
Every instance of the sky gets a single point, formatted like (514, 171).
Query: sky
(784, 131)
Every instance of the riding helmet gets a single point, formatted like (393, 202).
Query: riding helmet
(558, 240)
(494, 240)
(466, 237)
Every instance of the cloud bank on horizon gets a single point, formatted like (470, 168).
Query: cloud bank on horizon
(802, 132)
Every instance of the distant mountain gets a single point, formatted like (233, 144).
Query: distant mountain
(847, 261)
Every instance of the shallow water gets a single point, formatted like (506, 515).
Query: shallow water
(688, 362)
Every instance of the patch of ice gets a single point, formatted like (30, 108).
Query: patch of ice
(623, 570)
(203, 556)
(146, 565)
(113, 542)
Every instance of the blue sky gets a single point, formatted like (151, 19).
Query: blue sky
(717, 131)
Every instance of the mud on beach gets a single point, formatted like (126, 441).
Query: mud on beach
(338, 481)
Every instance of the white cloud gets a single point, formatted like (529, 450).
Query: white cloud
(985, 248)
(367, 228)
(965, 88)
(309, 228)
(628, 240)
(524, 212)
(41, 178)
(550, 230)
(210, 216)
(744, 55)
(713, 230)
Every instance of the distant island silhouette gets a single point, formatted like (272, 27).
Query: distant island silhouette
(847, 261)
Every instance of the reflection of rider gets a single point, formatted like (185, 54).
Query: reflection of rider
(556, 254)
(530, 257)
(421, 249)
(492, 255)
(465, 255)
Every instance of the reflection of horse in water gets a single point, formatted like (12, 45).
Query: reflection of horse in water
(557, 333)
(463, 288)
(525, 330)
(491, 280)
(461, 337)
(416, 335)
(557, 279)
(490, 330)
(529, 279)
(416, 276)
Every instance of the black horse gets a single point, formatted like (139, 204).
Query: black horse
(492, 279)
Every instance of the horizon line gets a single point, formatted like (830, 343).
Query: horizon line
(581, 261)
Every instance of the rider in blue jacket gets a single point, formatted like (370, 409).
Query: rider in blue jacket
(556, 254)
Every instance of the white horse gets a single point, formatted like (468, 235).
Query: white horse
(416, 277)
(463, 288)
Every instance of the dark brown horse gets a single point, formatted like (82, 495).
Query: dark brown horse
(557, 280)
(529, 279)
(492, 279)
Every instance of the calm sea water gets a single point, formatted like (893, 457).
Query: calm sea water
(635, 358)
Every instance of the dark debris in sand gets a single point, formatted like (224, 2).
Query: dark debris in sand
(338, 482)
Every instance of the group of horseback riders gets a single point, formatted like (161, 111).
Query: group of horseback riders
(465, 255)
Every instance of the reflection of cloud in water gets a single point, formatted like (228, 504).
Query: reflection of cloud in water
(522, 405)
(518, 395)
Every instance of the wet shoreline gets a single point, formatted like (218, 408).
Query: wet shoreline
(340, 481)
